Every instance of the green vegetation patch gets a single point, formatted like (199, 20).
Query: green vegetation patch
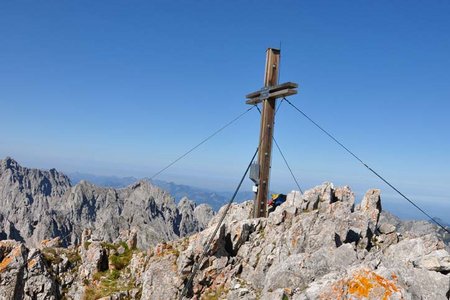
(109, 246)
(51, 256)
(215, 294)
(74, 257)
(108, 282)
(86, 245)
(120, 261)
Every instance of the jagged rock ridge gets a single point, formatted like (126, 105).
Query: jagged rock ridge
(37, 205)
(315, 246)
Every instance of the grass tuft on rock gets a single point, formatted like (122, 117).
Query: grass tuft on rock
(121, 260)
(105, 284)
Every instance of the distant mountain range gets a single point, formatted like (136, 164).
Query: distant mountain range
(36, 205)
(178, 191)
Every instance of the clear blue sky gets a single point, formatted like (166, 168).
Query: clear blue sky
(124, 87)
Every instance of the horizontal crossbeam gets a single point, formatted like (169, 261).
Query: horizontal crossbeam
(272, 92)
(274, 95)
(286, 85)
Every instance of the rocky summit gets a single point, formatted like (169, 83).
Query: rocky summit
(36, 205)
(318, 245)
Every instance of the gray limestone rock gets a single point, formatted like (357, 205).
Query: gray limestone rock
(23, 273)
(94, 259)
(193, 218)
(158, 280)
(203, 213)
(39, 284)
(38, 205)
(314, 246)
(317, 246)
(371, 207)
(13, 257)
(386, 228)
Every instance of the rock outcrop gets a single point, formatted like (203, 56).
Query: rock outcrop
(315, 246)
(318, 245)
(36, 205)
(24, 274)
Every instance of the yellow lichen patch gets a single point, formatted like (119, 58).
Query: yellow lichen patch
(360, 285)
(387, 285)
(363, 284)
(366, 283)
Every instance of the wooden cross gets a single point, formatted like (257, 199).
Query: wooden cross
(267, 96)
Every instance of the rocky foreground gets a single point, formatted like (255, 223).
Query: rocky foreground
(315, 246)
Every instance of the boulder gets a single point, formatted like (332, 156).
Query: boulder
(371, 207)
(13, 260)
(94, 259)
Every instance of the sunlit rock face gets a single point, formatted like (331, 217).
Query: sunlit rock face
(36, 205)
(316, 245)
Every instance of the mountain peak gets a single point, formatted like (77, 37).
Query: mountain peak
(9, 163)
(37, 204)
(186, 202)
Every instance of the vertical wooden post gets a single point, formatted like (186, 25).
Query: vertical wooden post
(266, 133)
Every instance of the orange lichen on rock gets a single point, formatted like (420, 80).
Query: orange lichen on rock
(360, 285)
(363, 284)
(7, 260)
(31, 263)
(55, 242)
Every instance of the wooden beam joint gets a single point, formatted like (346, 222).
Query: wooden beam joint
(272, 92)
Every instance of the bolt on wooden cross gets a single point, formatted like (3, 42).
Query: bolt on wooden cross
(267, 95)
